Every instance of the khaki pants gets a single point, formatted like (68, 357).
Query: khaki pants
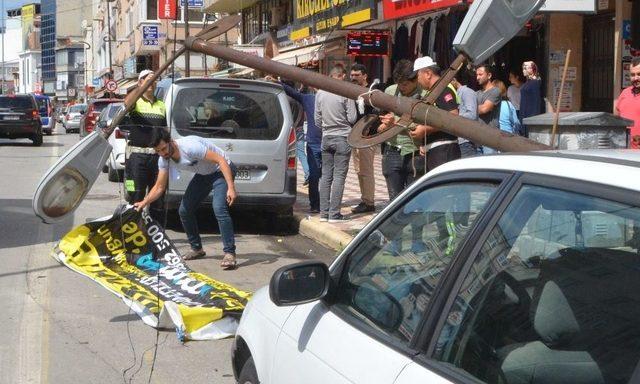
(363, 163)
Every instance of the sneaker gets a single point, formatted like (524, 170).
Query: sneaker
(194, 254)
(339, 218)
(363, 208)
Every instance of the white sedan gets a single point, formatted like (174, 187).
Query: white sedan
(516, 268)
(118, 141)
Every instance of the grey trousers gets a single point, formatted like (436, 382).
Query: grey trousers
(336, 153)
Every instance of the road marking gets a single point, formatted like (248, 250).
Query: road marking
(33, 367)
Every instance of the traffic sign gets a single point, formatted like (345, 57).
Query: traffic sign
(111, 86)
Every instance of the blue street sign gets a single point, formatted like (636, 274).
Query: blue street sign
(95, 82)
(193, 3)
(150, 32)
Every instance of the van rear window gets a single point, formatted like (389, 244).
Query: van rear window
(232, 114)
(16, 102)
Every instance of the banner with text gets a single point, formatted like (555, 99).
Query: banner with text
(130, 255)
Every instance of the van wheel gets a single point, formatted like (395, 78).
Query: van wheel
(248, 375)
(37, 139)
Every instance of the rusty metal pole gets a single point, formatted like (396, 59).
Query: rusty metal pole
(420, 112)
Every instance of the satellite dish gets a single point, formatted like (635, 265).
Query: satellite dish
(490, 24)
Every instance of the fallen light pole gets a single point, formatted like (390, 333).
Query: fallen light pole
(420, 112)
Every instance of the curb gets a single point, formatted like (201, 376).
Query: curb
(322, 232)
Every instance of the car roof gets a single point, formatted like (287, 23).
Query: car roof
(616, 167)
(40, 96)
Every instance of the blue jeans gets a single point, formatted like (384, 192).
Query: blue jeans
(197, 190)
(336, 153)
(301, 154)
(314, 158)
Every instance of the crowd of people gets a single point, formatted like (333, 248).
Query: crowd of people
(414, 151)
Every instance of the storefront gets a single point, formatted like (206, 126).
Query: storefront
(318, 32)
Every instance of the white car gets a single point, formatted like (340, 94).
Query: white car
(516, 268)
(118, 141)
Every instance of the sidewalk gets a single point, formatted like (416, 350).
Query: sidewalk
(338, 235)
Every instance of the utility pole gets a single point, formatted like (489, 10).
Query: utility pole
(187, 56)
(3, 25)
(109, 39)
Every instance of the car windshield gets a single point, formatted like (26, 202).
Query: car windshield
(16, 102)
(228, 113)
(77, 108)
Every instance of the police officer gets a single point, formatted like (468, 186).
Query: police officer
(141, 166)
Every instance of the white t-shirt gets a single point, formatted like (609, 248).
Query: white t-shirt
(192, 152)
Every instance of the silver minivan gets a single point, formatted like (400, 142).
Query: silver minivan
(251, 120)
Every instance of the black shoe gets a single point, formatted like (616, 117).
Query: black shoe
(314, 210)
(363, 208)
(339, 218)
(306, 182)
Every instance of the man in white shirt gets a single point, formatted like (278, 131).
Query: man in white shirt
(213, 171)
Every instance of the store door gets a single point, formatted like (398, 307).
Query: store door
(598, 47)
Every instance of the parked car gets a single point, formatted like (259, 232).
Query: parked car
(46, 113)
(118, 140)
(519, 268)
(88, 120)
(251, 120)
(71, 121)
(19, 118)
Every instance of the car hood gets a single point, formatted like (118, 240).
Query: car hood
(261, 302)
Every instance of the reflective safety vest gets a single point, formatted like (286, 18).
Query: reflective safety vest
(149, 114)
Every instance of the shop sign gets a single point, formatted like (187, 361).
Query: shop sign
(150, 35)
(582, 6)
(394, 9)
(167, 9)
(368, 43)
(193, 3)
(96, 81)
(319, 16)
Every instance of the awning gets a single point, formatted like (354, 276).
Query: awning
(300, 55)
(125, 85)
(227, 6)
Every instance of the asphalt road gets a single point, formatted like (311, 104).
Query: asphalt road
(61, 327)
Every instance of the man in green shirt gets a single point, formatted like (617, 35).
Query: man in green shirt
(402, 163)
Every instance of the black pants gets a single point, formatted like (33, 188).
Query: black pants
(442, 154)
(398, 170)
(140, 173)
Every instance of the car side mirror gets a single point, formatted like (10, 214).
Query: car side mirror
(82, 112)
(299, 283)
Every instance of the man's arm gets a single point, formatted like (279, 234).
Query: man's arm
(317, 112)
(226, 172)
(493, 99)
(422, 130)
(292, 93)
(352, 113)
(156, 192)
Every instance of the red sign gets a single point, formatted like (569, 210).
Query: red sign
(167, 9)
(394, 9)
(368, 43)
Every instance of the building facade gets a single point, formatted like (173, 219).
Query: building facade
(48, 44)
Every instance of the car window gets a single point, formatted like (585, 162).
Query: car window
(16, 102)
(390, 277)
(233, 114)
(98, 107)
(77, 108)
(552, 296)
(42, 103)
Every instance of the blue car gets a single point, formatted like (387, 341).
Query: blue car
(46, 113)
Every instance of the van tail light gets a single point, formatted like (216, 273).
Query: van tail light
(291, 150)
(119, 134)
(34, 114)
